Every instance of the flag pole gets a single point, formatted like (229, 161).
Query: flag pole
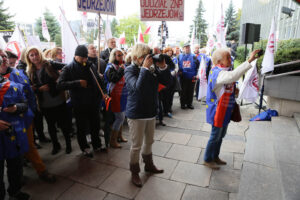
(63, 14)
(261, 94)
(99, 39)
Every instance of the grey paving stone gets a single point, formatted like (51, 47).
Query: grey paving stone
(190, 124)
(297, 115)
(158, 134)
(233, 146)
(47, 191)
(91, 173)
(184, 153)
(287, 149)
(177, 138)
(120, 183)
(206, 127)
(114, 197)
(225, 180)
(162, 189)
(65, 165)
(79, 192)
(168, 165)
(290, 180)
(232, 196)
(160, 148)
(198, 141)
(192, 174)
(238, 160)
(171, 122)
(259, 183)
(198, 193)
(120, 159)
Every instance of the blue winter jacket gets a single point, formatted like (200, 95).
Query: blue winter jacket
(142, 86)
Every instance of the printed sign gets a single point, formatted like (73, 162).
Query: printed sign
(162, 10)
(103, 6)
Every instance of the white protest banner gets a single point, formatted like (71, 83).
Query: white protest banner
(16, 43)
(202, 78)
(103, 6)
(69, 41)
(158, 10)
(268, 61)
(249, 89)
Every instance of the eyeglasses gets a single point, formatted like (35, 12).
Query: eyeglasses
(119, 55)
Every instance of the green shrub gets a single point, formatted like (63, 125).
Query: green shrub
(240, 53)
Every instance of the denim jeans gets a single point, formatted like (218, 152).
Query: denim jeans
(214, 143)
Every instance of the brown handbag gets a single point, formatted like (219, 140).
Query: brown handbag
(236, 113)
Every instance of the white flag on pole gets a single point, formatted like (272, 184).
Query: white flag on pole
(84, 21)
(16, 43)
(45, 31)
(69, 42)
(202, 78)
(210, 44)
(220, 31)
(249, 89)
(268, 61)
(192, 38)
(108, 33)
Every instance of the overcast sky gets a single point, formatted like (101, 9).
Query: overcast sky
(27, 11)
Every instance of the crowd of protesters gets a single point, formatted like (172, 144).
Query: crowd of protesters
(138, 84)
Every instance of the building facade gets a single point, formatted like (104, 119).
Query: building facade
(262, 11)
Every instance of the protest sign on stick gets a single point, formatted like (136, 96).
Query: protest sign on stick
(97, 6)
(157, 10)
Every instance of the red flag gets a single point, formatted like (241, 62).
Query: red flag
(140, 35)
(147, 30)
(122, 38)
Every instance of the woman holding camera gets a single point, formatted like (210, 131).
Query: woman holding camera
(142, 79)
(118, 92)
(43, 75)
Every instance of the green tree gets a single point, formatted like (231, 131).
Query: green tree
(52, 24)
(200, 24)
(5, 22)
(113, 26)
(232, 23)
(130, 26)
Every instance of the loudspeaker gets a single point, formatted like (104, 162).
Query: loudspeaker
(250, 33)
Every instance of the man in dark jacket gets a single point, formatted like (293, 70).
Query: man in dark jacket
(111, 45)
(142, 80)
(77, 77)
(92, 57)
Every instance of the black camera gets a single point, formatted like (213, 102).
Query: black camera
(157, 57)
(260, 53)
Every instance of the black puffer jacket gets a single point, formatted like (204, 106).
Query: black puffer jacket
(70, 78)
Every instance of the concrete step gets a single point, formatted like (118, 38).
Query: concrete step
(286, 137)
(297, 119)
(260, 178)
(271, 168)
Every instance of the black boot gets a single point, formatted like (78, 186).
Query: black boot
(135, 178)
(56, 148)
(149, 166)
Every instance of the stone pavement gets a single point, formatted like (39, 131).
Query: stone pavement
(179, 149)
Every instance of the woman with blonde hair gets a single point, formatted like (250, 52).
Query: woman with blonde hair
(47, 53)
(118, 92)
(43, 75)
(142, 79)
(56, 54)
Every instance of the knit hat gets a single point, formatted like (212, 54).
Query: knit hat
(82, 51)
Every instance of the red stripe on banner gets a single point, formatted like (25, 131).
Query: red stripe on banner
(221, 110)
(3, 91)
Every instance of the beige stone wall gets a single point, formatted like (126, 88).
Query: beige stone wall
(284, 107)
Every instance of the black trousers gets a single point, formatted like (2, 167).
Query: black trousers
(187, 92)
(14, 176)
(108, 118)
(38, 124)
(59, 115)
(87, 119)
